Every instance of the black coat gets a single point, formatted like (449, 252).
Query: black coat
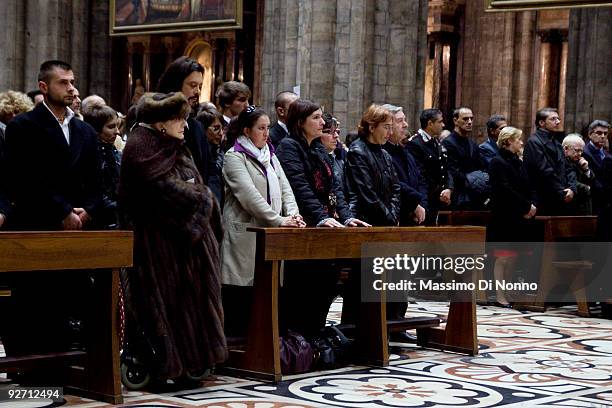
(413, 186)
(109, 159)
(604, 222)
(432, 161)
(511, 198)
(49, 177)
(310, 173)
(463, 158)
(4, 201)
(277, 133)
(373, 184)
(596, 165)
(546, 169)
(197, 143)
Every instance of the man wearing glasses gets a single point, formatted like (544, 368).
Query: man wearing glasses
(595, 153)
(546, 165)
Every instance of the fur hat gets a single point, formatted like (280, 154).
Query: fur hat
(158, 107)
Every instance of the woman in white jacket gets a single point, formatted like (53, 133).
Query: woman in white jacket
(257, 194)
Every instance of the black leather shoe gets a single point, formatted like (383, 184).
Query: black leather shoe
(402, 337)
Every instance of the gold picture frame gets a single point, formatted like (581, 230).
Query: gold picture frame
(523, 5)
(136, 17)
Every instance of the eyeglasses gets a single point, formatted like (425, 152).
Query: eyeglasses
(250, 108)
(216, 128)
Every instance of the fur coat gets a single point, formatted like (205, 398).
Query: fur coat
(175, 284)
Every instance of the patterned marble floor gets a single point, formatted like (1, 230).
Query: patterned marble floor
(552, 359)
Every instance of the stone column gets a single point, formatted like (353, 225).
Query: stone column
(521, 111)
(100, 54)
(75, 31)
(346, 54)
(589, 68)
(13, 39)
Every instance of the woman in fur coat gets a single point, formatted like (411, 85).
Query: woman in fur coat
(174, 287)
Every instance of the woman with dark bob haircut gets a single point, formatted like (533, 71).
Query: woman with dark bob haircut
(174, 291)
(322, 204)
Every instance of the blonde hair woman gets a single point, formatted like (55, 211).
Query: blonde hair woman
(512, 202)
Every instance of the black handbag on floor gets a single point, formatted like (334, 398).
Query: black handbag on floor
(332, 348)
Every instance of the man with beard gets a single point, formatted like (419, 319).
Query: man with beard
(52, 158)
(187, 75)
(546, 165)
(53, 165)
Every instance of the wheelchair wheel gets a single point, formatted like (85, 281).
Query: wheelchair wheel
(135, 376)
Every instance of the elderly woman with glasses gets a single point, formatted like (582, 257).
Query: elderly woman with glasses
(174, 291)
(257, 194)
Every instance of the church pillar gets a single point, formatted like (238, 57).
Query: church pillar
(589, 65)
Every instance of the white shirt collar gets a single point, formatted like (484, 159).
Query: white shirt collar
(425, 135)
(65, 123)
(283, 126)
(69, 114)
(227, 119)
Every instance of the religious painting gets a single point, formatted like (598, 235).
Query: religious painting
(517, 5)
(133, 17)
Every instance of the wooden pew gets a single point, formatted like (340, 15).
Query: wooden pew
(457, 218)
(260, 358)
(104, 251)
(462, 218)
(559, 228)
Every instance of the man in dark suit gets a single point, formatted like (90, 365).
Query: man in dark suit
(595, 154)
(465, 165)
(54, 185)
(546, 166)
(187, 75)
(431, 158)
(413, 204)
(52, 159)
(281, 106)
(413, 198)
(488, 149)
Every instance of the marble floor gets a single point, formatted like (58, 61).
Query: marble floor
(552, 359)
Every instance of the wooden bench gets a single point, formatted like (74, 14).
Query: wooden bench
(95, 373)
(552, 271)
(463, 218)
(457, 218)
(260, 358)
